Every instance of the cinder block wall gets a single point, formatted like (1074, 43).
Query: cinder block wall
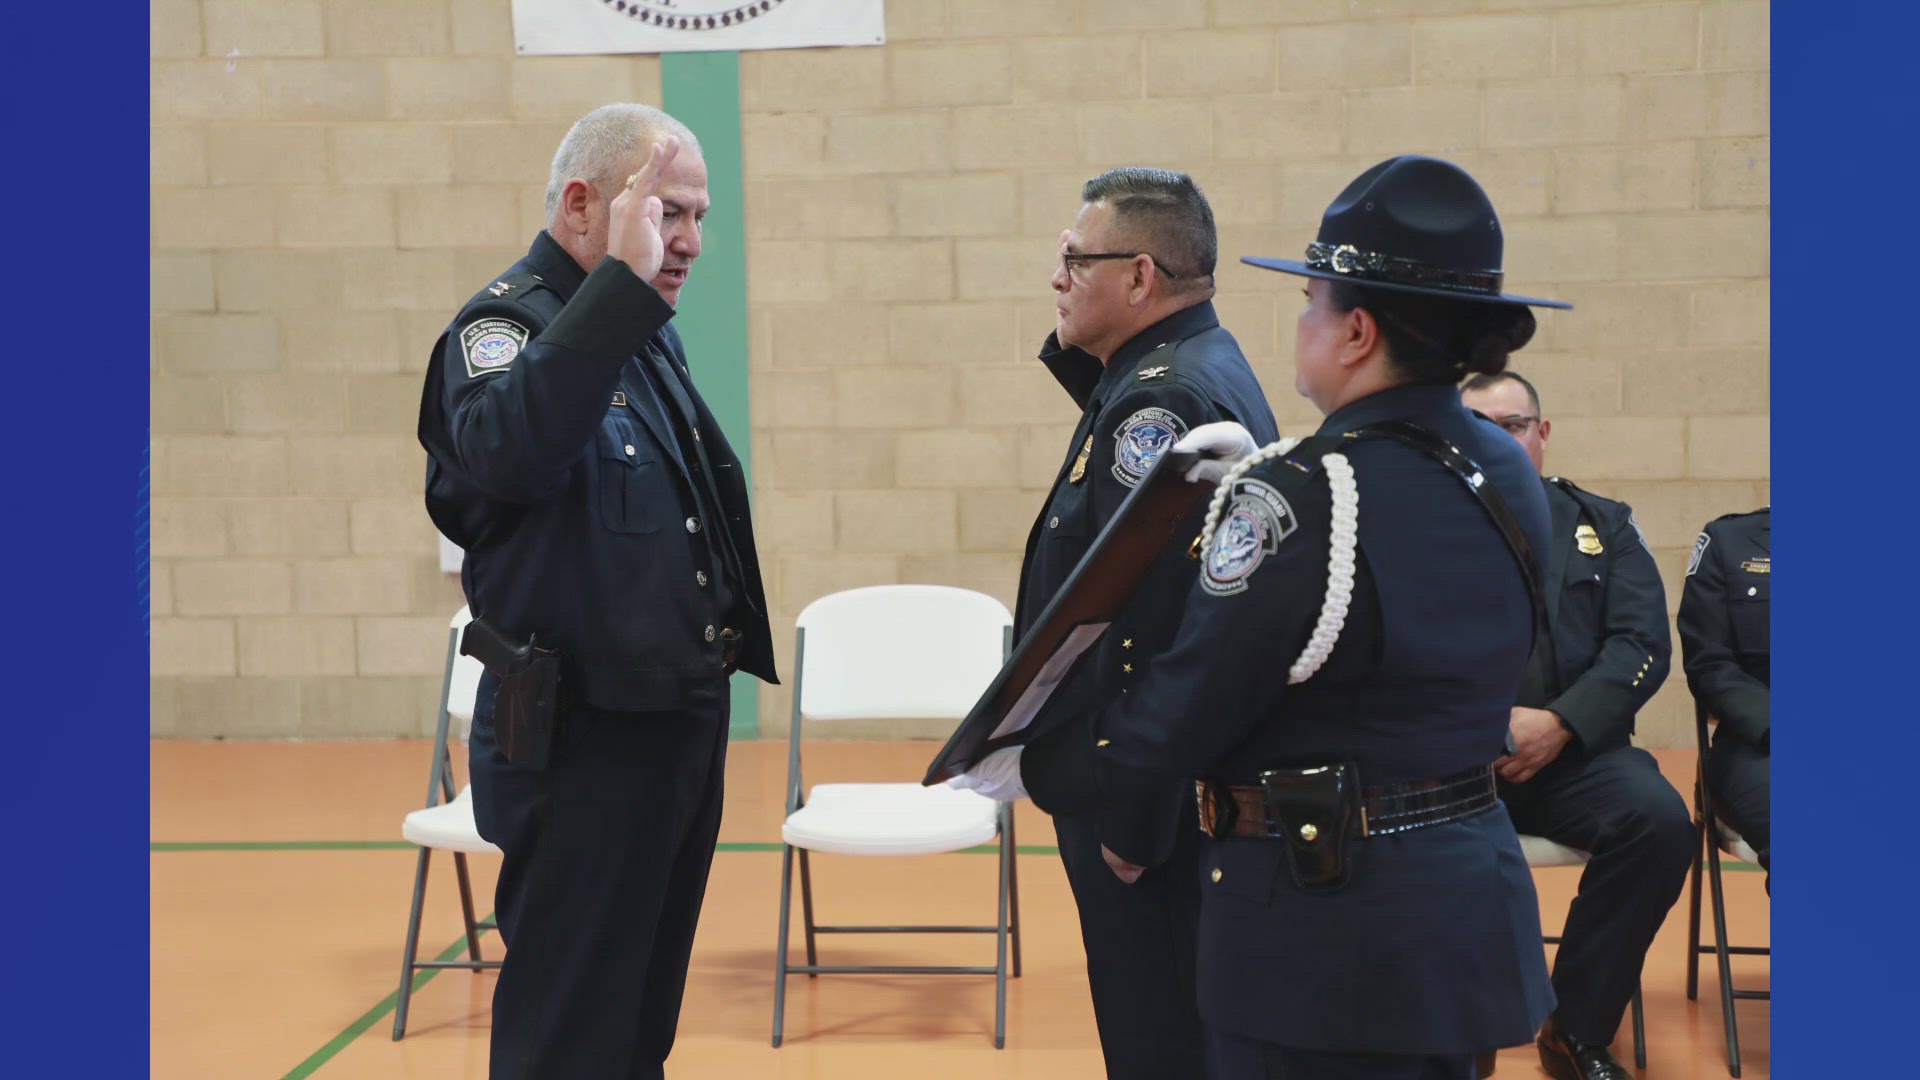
(332, 178)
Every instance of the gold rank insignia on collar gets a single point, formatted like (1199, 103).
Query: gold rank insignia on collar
(1757, 566)
(1153, 372)
(500, 288)
(1587, 540)
(619, 397)
(1080, 463)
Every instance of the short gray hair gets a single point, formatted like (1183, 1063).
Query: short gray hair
(607, 141)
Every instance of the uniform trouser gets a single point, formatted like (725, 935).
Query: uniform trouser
(1237, 1057)
(1740, 777)
(1140, 941)
(1615, 806)
(606, 859)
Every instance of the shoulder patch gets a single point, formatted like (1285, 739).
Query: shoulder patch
(490, 345)
(1250, 529)
(1140, 440)
(1699, 548)
(1638, 531)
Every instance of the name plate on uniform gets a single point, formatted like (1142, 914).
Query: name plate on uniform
(1012, 711)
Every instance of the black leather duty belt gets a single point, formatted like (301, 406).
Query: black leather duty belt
(1241, 810)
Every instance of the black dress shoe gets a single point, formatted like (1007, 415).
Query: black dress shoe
(1566, 1059)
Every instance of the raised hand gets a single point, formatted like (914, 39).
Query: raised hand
(633, 226)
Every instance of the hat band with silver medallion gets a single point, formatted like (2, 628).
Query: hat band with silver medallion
(1350, 261)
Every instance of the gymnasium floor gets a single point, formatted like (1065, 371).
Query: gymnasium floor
(279, 901)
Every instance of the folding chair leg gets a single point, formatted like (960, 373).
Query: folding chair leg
(780, 954)
(1639, 1030)
(412, 950)
(1720, 950)
(1013, 888)
(1000, 936)
(806, 909)
(466, 906)
(1693, 916)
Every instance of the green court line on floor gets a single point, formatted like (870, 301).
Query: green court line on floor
(402, 845)
(374, 1015)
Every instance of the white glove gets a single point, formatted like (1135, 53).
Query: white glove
(1224, 443)
(997, 776)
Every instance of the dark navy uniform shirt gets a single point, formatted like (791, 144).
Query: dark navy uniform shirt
(601, 508)
(1725, 630)
(1609, 648)
(1433, 945)
(1183, 371)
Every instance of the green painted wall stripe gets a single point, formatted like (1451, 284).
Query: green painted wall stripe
(376, 1014)
(703, 91)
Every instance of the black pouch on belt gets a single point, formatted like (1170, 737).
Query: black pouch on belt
(1317, 811)
(526, 705)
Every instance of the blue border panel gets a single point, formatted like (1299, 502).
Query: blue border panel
(73, 776)
(1846, 105)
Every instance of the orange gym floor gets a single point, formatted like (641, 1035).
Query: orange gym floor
(279, 902)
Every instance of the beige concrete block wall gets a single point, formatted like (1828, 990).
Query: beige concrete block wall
(324, 198)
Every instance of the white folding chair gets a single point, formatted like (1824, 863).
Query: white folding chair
(1716, 836)
(445, 823)
(894, 652)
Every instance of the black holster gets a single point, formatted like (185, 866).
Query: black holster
(1316, 811)
(526, 704)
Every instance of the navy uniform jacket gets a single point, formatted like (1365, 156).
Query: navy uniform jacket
(1433, 946)
(1184, 371)
(1724, 630)
(1609, 648)
(553, 459)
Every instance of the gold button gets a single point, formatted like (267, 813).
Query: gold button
(1309, 831)
(1217, 875)
(1104, 742)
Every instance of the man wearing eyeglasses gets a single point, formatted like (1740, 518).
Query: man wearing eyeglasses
(1143, 355)
(1573, 776)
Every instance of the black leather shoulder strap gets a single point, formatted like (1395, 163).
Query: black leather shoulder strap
(1458, 463)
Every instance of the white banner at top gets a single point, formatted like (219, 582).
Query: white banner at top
(573, 27)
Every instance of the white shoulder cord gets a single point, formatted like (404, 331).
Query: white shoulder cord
(1340, 562)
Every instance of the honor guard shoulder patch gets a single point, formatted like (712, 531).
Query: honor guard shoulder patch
(1140, 440)
(1699, 548)
(490, 345)
(1587, 540)
(1250, 529)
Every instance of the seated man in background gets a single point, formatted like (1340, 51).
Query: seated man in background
(1573, 776)
(1725, 638)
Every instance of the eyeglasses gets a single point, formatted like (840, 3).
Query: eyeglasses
(1071, 261)
(1517, 426)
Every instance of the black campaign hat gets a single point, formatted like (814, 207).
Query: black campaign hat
(1411, 224)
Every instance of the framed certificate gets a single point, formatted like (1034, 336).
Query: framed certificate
(1013, 708)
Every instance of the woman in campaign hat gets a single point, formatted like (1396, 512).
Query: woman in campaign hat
(1368, 911)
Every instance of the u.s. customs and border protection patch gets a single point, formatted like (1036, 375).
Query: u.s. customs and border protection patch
(1250, 529)
(489, 345)
(1699, 548)
(1140, 440)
